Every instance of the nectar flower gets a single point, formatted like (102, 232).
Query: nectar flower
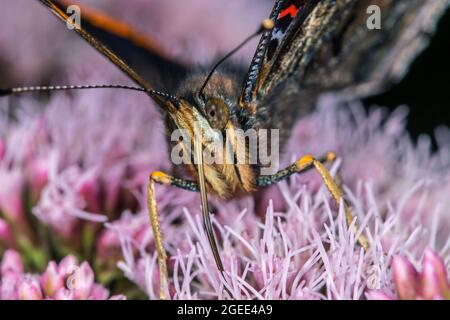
(304, 249)
(430, 283)
(64, 281)
(6, 235)
(11, 190)
(85, 158)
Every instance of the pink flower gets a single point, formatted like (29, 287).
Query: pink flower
(37, 174)
(11, 192)
(11, 271)
(86, 157)
(11, 263)
(64, 281)
(81, 281)
(29, 289)
(67, 265)
(108, 246)
(305, 249)
(406, 278)
(429, 284)
(434, 278)
(51, 280)
(62, 204)
(6, 235)
(2, 148)
(64, 294)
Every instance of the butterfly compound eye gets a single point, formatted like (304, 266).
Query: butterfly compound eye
(217, 113)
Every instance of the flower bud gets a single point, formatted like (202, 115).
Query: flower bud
(434, 281)
(63, 294)
(51, 280)
(81, 281)
(6, 235)
(405, 277)
(11, 191)
(29, 289)
(11, 263)
(67, 265)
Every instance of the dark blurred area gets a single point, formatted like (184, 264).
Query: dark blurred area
(426, 88)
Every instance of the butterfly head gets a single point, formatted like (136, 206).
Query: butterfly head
(212, 110)
(210, 121)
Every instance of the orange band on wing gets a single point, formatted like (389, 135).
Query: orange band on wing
(100, 20)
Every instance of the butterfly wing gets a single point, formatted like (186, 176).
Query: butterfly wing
(332, 45)
(287, 16)
(136, 54)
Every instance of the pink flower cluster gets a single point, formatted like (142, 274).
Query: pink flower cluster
(301, 246)
(73, 172)
(66, 280)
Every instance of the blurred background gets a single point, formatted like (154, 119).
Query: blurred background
(426, 88)
(37, 49)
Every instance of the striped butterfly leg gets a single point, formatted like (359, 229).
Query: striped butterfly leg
(165, 179)
(307, 163)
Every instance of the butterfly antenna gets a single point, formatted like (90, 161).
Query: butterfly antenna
(19, 90)
(266, 25)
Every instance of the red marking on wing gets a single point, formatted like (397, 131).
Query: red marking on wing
(292, 10)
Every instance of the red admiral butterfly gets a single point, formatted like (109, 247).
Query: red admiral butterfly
(307, 47)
